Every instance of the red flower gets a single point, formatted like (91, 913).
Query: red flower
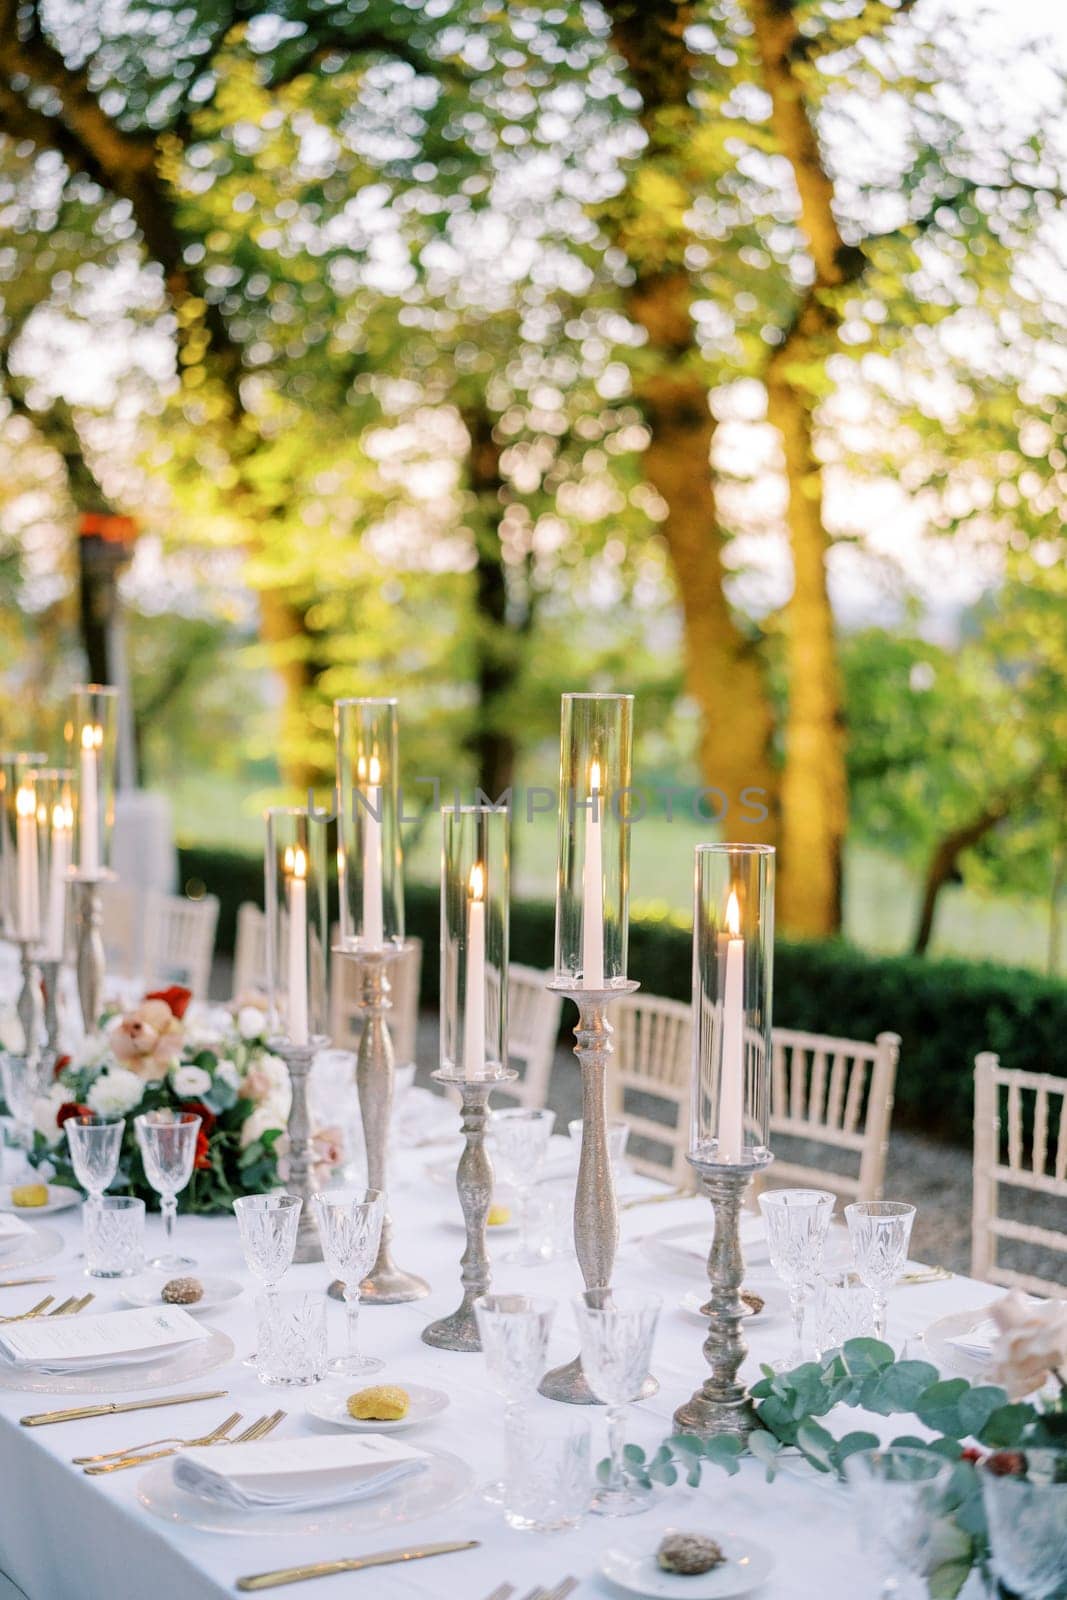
(175, 997)
(61, 1062)
(972, 1454)
(1007, 1464)
(202, 1159)
(208, 1118)
(71, 1108)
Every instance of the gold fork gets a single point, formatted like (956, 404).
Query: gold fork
(154, 1444)
(71, 1305)
(257, 1430)
(34, 1311)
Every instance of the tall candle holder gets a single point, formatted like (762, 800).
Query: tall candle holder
(295, 901)
(474, 1051)
(50, 989)
(91, 735)
(386, 1284)
(28, 1007)
(733, 937)
(592, 932)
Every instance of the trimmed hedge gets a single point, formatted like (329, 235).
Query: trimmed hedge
(945, 1011)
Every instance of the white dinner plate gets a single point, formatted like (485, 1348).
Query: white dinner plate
(59, 1198)
(696, 1299)
(29, 1248)
(176, 1366)
(684, 1247)
(633, 1566)
(329, 1405)
(446, 1481)
(146, 1292)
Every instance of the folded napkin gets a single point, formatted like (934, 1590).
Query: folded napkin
(977, 1342)
(112, 1338)
(698, 1242)
(296, 1474)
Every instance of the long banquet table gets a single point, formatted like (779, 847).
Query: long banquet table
(66, 1535)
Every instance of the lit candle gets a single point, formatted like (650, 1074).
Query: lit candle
(731, 1141)
(29, 910)
(474, 1008)
(88, 799)
(296, 869)
(373, 935)
(593, 887)
(55, 931)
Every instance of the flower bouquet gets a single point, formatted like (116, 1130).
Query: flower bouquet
(151, 1058)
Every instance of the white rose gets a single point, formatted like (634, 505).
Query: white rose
(227, 1071)
(206, 1025)
(1032, 1343)
(45, 1111)
(115, 1092)
(94, 1052)
(260, 1122)
(251, 1022)
(190, 1082)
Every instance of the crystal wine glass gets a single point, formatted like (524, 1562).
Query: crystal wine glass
(268, 1226)
(94, 1143)
(520, 1138)
(1027, 1518)
(898, 1493)
(350, 1227)
(879, 1232)
(22, 1079)
(797, 1222)
(617, 1327)
(514, 1330)
(167, 1141)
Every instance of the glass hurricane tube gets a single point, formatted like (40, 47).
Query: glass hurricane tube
(368, 834)
(14, 767)
(295, 899)
(91, 736)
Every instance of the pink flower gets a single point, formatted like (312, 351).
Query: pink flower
(147, 1040)
(328, 1147)
(1032, 1346)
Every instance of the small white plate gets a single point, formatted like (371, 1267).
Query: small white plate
(147, 1292)
(633, 1566)
(26, 1249)
(59, 1198)
(684, 1247)
(330, 1405)
(695, 1301)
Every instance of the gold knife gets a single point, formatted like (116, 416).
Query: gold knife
(18, 1283)
(38, 1419)
(326, 1569)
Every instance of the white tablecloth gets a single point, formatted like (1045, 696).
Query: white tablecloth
(65, 1535)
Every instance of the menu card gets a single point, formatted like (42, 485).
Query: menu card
(293, 1474)
(73, 1343)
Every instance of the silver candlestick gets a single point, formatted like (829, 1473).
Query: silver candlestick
(474, 1183)
(596, 1215)
(386, 1284)
(298, 1059)
(90, 959)
(721, 1405)
(50, 985)
(28, 1002)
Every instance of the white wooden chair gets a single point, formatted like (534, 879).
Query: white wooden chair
(405, 976)
(653, 1063)
(250, 951)
(179, 941)
(835, 1095)
(533, 1028)
(1020, 1144)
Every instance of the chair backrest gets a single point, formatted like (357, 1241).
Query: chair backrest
(533, 1028)
(405, 977)
(1020, 1144)
(250, 950)
(179, 941)
(119, 927)
(836, 1095)
(649, 1083)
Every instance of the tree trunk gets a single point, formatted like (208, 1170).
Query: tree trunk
(285, 629)
(498, 635)
(944, 860)
(724, 673)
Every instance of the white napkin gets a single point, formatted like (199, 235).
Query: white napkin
(112, 1338)
(698, 1242)
(296, 1474)
(978, 1341)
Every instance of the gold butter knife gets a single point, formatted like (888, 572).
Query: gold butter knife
(17, 1283)
(326, 1569)
(38, 1419)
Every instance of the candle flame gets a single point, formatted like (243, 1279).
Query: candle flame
(62, 817)
(92, 736)
(368, 771)
(733, 915)
(477, 881)
(594, 775)
(25, 801)
(295, 862)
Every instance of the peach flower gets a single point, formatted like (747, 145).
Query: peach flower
(1032, 1346)
(147, 1040)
